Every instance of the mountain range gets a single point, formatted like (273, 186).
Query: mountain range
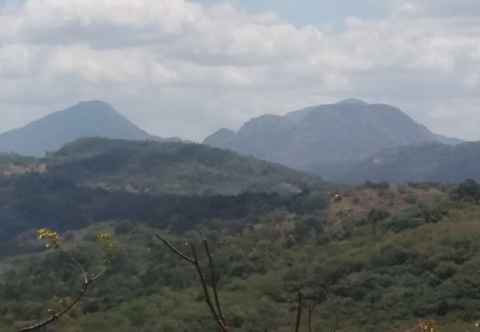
(327, 138)
(347, 142)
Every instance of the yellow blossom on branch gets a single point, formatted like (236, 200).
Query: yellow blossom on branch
(110, 248)
(50, 236)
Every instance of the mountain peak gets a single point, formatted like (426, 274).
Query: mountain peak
(93, 103)
(93, 118)
(319, 138)
(352, 101)
(92, 106)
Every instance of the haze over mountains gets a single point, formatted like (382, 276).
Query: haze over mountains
(86, 119)
(326, 139)
(347, 142)
(426, 163)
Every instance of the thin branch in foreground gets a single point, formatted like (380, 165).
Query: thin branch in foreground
(175, 250)
(299, 311)
(88, 281)
(214, 280)
(215, 310)
(311, 309)
(206, 292)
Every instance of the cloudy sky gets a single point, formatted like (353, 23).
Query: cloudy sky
(186, 68)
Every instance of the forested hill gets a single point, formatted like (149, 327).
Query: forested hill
(174, 185)
(173, 168)
(426, 163)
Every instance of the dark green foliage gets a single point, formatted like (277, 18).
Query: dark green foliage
(36, 201)
(15, 159)
(377, 185)
(423, 263)
(172, 168)
(426, 268)
(468, 190)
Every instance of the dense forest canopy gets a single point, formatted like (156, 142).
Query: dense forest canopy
(413, 257)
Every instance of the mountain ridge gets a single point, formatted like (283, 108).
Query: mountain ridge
(314, 138)
(171, 168)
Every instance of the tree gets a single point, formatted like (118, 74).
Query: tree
(211, 295)
(468, 190)
(54, 241)
(374, 217)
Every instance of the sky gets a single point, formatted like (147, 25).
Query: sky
(187, 68)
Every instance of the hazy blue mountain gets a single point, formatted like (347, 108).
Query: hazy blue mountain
(325, 138)
(86, 119)
(426, 163)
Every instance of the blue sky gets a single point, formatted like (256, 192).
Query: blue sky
(316, 12)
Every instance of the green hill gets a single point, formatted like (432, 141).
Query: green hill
(173, 168)
(172, 185)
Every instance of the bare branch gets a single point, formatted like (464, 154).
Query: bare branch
(87, 283)
(175, 250)
(194, 260)
(311, 309)
(214, 278)
(335, 325)
(206, 292)
(78, 265)
(299, 311)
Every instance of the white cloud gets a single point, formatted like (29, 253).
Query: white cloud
(181, 68)
(439, 8)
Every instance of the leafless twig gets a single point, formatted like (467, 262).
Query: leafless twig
(311, 309)
(215, 309)
(214, 280)
(88, 281)
(215, 306)
(299, 311)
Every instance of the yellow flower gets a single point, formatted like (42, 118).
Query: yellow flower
(105, 240)
(50, 236)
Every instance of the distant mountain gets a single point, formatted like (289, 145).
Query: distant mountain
(86, 119)
(426, 163)
(326, 138)
(171, 168)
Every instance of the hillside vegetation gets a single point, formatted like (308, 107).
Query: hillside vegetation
(426, 163)
(173, 168)
(377, 258)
